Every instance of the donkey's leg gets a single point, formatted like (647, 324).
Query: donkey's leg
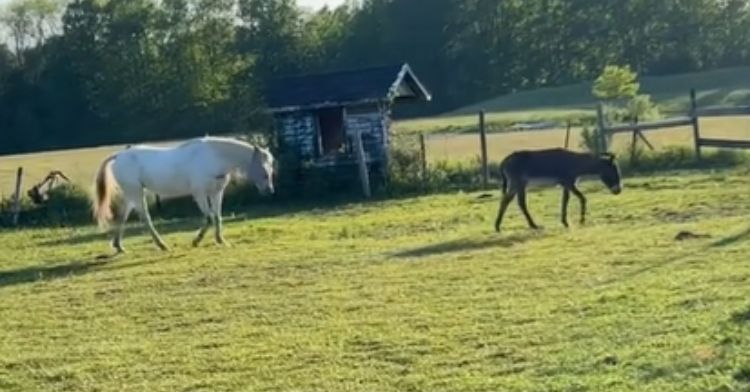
(127, 208)
(202, 201)
(582, 199)
(524, 209)
(505, 200)
(565, 200)
(142, 208)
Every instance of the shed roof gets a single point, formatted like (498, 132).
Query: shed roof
(342, 88)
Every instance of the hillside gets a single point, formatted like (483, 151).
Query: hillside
(730, 86)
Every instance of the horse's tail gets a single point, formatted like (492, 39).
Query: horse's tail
(105, 188)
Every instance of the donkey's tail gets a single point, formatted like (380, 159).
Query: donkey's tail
(503, 182)
(105, 188)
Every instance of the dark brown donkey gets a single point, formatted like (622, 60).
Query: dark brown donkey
(556, 165)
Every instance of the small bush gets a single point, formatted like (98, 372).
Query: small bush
(67, 204)
(590, 140)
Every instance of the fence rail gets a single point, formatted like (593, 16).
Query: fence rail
(693, 119)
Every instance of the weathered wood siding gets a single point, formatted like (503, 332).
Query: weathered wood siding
(298, 131)
(370, 124)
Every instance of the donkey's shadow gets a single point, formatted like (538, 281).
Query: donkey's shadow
(469, 244)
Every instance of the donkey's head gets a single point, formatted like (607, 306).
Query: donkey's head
(261, 170)
(609, 173)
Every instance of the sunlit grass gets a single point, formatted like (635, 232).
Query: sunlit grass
(416, 294)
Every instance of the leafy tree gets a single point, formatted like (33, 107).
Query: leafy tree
(616, 82)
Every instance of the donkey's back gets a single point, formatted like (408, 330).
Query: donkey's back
(548, 164)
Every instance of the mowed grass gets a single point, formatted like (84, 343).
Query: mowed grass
(406, 295)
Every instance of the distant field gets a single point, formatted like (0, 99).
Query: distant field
(81, 164)
(722, 87)
(730, 86)
(466, 146)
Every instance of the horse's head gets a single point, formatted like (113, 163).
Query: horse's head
(261, 170)
(609, 173)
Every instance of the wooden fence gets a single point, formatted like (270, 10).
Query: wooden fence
(692, 119)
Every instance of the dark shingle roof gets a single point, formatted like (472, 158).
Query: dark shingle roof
(385, 83)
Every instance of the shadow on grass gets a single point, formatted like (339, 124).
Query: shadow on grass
(732, 239)
(742, 317)
(468, 244)
(136, 227)
(726, 241)
(59, 271)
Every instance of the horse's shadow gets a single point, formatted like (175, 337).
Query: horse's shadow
(43, 272)
(135, 226)
(467, 245)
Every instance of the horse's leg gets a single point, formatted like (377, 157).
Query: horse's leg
(582, 199)
(202, 201)
(505, 200)
(127, 208)
(524, 209)
(142, 208)
(215, 202)
(565, 200)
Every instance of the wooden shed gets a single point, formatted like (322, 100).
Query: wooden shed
(317, 116)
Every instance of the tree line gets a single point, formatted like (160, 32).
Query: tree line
(85, 72)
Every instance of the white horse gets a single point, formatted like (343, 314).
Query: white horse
(200, 167)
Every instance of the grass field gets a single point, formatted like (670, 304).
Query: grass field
(405, 295)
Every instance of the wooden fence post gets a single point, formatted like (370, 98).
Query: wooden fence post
(423, 156)
(567, 135)
(696, 127)
(17, 196)
(483, 144)
(603, 147)
(364, 174)
(634, 142)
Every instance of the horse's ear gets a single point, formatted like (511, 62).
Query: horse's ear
(608, 155)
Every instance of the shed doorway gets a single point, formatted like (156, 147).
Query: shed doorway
(331, 127)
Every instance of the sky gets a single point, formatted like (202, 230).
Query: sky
(315, 4)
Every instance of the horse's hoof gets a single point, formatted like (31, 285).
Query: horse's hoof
(163, 247)
(565, 224)
(223, 242)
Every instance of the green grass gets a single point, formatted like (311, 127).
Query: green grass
(408, 295)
